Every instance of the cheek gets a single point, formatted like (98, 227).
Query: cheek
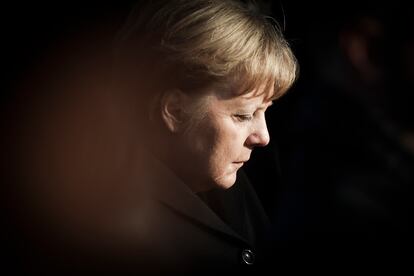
(216, 143)
(201, 141)
(229, 143)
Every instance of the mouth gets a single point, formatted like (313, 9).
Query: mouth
(239, 163)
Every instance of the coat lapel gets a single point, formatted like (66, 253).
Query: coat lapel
(173, 193)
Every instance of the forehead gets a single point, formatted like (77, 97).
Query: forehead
(229, 98)
(232, 90)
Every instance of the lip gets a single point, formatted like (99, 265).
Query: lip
(239, 163)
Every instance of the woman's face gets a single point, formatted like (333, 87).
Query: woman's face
(222, 141)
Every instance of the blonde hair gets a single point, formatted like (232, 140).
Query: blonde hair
(197, 42)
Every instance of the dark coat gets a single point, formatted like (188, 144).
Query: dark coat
(170, 230)
(220, 230)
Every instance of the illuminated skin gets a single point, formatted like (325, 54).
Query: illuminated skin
(223, 140)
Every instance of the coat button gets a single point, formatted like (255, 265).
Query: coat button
(248, 257)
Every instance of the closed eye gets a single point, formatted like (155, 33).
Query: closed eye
(243, 117)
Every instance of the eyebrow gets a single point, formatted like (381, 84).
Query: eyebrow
(262, 106)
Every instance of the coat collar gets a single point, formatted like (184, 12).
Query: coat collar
(173, 193)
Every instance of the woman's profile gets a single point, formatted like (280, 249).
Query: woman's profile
(191, 80)
(207, 71)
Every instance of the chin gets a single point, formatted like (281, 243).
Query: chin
(226, 182)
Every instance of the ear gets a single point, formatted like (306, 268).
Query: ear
(173, 103)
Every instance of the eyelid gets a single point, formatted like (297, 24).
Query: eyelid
(244, 117)
(248, 116)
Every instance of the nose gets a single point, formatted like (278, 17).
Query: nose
(259, 137)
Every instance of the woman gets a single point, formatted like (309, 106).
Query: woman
(204, 73)
(141, 173)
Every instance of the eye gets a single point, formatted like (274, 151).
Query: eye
(243, 117)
